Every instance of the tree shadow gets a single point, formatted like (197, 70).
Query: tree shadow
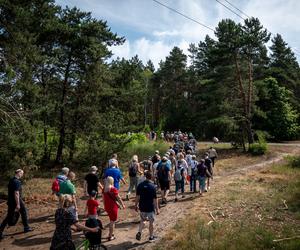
(125, 245)
(32, 241)
(42, 219)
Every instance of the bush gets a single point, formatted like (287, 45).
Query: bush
(294, 161)
(259, 148)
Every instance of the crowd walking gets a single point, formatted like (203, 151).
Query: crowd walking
(179, 167)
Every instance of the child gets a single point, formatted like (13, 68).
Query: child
(92, 206)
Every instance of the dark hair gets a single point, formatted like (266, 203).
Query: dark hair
(93, 193)
(148, 175)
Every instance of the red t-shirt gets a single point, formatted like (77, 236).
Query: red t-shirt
(92, 206)
(109, 200)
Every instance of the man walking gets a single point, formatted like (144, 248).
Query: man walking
(146, 202)
(92, 182)
(15, 203)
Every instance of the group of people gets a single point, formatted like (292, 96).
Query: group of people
(177, 165)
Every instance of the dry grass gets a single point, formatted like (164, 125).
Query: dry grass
(249, 213)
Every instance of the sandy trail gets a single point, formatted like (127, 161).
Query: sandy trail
(42, 216)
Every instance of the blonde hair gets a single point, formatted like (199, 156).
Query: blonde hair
(108, 183)
(135, 158)
(65, 201)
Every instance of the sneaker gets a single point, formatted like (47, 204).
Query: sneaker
(208, 188)
(205, 190)
(127, 197)
(138, 236)
(152, 238)
(28, 229)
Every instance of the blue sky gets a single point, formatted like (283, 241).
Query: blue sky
(151, 30)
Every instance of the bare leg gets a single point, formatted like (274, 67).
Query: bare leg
(151, 228)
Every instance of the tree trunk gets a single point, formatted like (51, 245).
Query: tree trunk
(74, 130)
(62, 132)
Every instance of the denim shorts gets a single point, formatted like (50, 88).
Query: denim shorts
(147, 216)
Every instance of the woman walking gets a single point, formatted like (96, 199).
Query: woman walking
(133, 171)
(111, 200)
(64, 219)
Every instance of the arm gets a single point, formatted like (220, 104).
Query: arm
(85, 210)
(120, 200)
(17, 199)
(156, 205)
(82, 227)
(85, 187)
(139, 168)
(100, 186)
(137, 200)
(74, 200)
(123, 180)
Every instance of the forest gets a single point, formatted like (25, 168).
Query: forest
(64, 100)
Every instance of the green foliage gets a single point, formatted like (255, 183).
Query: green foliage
(259, 148)
(144, 149)
(294, 162)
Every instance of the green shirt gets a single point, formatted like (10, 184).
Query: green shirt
(67, 187)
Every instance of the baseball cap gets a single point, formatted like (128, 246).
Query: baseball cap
(94, 168)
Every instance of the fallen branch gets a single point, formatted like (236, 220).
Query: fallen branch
(211, 215)
(285, 205)
(289, 238)
(211, 221)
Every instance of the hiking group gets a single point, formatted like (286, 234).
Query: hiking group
(179, 165)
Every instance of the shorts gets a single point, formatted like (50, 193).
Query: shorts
(164, 185)
(147, 216)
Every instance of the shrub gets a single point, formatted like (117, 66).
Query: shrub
(294, 162)
(259, 148)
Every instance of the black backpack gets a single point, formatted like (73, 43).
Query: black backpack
(132, 170)
(94, 238)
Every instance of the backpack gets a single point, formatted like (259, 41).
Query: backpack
(132, 170)
(178, 174)
(55, 186)
(94, 238)
(161, 170)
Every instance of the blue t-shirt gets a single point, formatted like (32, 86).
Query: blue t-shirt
(114, 173)
(147, 192)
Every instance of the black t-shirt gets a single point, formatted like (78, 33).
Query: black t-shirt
(14, 185)
(147, 192)
(92, 182)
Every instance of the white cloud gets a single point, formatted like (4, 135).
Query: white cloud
(148, 50)
(151, 28)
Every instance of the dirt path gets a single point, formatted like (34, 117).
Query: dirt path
(42, 219)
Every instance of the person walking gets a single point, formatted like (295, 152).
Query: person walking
(193, 174)
(67, 187)
(92, 206)
(164, 178)
(62, 177)
(15, 203)
(92, 182)
(64, 219)
(146, 202)
(208, 164)
(133, 171)
(202, 173)
(115, 172)
(213, 155)
(112, 201)
(179, 178)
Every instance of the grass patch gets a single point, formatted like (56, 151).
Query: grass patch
(252, 214)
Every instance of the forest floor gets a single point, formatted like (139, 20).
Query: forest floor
(237, 177)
